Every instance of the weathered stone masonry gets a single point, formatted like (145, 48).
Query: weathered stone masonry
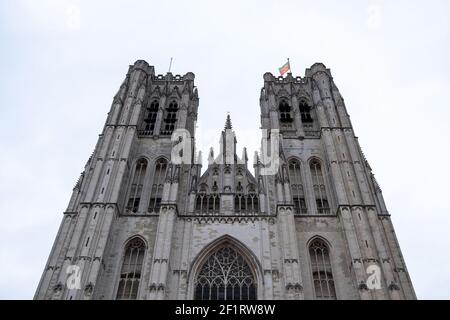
(140, 225)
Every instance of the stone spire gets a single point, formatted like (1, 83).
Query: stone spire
(228, 122)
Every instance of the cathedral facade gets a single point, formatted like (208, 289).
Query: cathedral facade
(147, 221)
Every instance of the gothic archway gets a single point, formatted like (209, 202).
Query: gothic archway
(225, 272)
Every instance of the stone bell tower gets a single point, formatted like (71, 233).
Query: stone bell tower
(326, 182)
(129, 174)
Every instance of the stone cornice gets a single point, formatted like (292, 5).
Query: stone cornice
(228, 219)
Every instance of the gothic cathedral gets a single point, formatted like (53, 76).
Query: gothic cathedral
(307, 222)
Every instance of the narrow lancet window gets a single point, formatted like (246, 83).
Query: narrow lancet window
(298, 194)
(322, 274)
(137, 184)
(320, 193)
(157, 187)
(130, 274)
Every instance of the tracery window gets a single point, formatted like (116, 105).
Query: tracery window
(246, 203)
(148, 125)
(321, 270)
(305, 112)
(157, 186)
(130, 274)
(225, 275)
(298, 194)
(285, 112)
(135, 194)
(319, 187)
(170, 119)
(207, 203)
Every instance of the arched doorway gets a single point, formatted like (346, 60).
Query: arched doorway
(225, 274)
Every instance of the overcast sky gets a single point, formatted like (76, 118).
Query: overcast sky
(61, 63)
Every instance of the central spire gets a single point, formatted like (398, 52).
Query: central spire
(228, 122)
(228, 143)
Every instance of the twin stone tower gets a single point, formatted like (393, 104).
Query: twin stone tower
(144, 222)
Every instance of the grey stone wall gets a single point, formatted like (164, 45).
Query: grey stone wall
(97, 225)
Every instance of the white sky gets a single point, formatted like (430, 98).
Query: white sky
(62, 62)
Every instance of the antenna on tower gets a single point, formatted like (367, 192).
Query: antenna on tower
(170, 65)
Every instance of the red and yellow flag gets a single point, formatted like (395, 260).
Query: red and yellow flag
(285, 68)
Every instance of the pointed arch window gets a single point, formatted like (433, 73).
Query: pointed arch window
(213, 203)
(321, 270)
(149, 120)
(246, 203)
(305, 112)
(320, 192)
(200, 202)
(298, 193)
(130, 274)
(157, 186)
(252, 203)
(239, 203)
(225, 275)
(285, 112)
(170, 118)
(137, 184)
(207, 203)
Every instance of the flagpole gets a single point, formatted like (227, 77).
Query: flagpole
(170, 65)
(289, 63)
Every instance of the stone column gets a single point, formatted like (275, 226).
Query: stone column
(116, 183)
(182, 112)
(367, 245)
(297, 117)
(273, 112)
(384, 260)
(162, 249)
(159, 116)
(266, 258)
(71, 257)
(184, 261)
(293, 280)
(337, 180)
(145, 195)
(52, 263)
(398, 263)
(354, 251)
(89, 197)
(98, 245)
(367, 219)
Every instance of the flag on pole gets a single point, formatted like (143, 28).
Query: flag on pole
(285, 68)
